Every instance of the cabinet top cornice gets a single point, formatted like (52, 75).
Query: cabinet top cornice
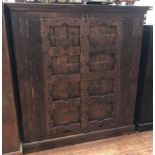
(75, 8)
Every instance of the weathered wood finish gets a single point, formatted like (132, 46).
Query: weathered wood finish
(10, 132)
(77, 69)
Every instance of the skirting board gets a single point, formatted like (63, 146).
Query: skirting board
(144, 126)
(75, 139)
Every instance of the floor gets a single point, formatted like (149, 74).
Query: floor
(139, 143)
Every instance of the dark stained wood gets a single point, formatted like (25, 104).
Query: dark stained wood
(144, 106)
(77, 71)
(10, 133)
(130, 60)
(76, 8)
(77, 138)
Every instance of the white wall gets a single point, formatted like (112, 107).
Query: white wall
(150, 14)
(10, 1)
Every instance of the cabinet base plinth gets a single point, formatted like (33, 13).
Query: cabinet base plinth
(75, 139)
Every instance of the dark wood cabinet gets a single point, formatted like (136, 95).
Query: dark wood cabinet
(144, 105)
(77, 71)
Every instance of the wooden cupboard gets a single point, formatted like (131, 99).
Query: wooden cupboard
(77, 68)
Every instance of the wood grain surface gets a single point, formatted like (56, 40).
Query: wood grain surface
(10, 136)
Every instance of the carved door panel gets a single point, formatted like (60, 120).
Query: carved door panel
(104, 49)
(61, 48)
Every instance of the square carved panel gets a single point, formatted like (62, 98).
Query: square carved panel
(64, 36)
(65, 90)
(100, 87)
(66, 114)
(65, 65)
(99, 110)
(102, 38)
(103, 34)
(101, 62)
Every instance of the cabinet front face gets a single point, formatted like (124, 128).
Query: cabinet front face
(69, 74)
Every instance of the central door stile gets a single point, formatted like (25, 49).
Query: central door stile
(84, 70)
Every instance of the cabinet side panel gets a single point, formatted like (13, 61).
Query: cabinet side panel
(28, 56)
(130, 58)
(10, 136)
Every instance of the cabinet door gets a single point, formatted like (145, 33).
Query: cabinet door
(61, 48)
(102, 100)
(47, 52)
